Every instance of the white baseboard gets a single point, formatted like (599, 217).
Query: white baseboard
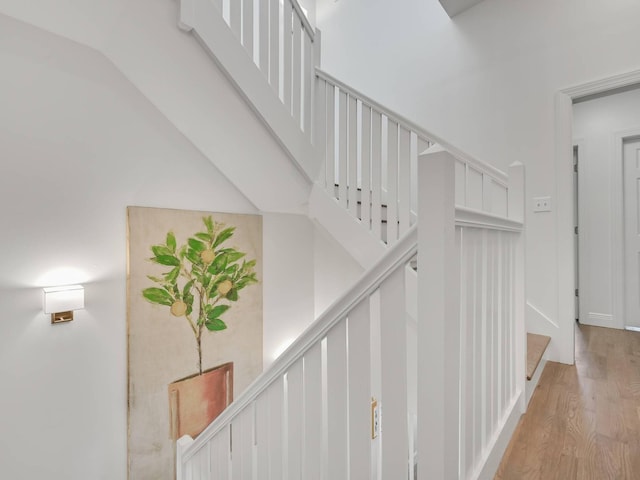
(498, 444)
(599, 320)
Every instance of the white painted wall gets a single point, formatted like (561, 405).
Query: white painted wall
(595, 124)
(78, 143)
(289, 285)
(335, 271)
(485, 81)
(181, 80)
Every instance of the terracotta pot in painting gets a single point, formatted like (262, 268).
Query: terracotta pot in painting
(195, 401)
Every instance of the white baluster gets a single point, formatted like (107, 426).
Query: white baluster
(404, 181)
(312, 413)
(343, 136)
(330, 163)
(365, 161)
(235, 17)
(274, 45)
(263, 35)
(297, 72)
(337, 401)
(392, 182)
(360, 391)
(307, 77)
(393, 348)
(352, 159)
(247, 26)
(287, 40)
(295, 422)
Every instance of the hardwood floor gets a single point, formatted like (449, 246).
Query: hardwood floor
(583, 421)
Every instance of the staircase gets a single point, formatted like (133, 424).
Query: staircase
(536, 348)
(412, 371)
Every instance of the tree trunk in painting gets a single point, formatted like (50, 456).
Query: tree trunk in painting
(195, 401)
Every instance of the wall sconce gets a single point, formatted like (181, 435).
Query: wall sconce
(60, 302)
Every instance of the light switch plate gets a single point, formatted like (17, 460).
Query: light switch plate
(542, 204)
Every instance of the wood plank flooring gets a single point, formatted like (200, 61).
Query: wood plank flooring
(536, 345)
(583, 421)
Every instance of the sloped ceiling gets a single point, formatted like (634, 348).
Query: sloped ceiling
(173, 71)
(454, 7)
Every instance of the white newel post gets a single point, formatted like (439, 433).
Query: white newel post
(181, 445)
(516, 211)
(438, 318)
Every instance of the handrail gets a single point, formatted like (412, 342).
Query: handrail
(469, 217)
(303, 18)
(396, 117)
(400, 253)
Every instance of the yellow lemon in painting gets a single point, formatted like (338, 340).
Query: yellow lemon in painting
(207, 255)
(224, 287)
(179, 308)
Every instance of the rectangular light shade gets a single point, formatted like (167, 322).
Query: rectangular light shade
(63, 299)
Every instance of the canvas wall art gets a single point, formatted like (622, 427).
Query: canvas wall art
(194, 326)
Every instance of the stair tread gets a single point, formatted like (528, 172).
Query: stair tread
(536, 346)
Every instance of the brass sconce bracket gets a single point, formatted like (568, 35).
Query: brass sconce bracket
(62, 317)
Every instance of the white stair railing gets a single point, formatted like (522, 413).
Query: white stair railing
(279, 38)
(277, 41)
(370, 156)
(471, 315)
(310, 415)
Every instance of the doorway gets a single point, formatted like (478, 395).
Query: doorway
(605, 278)
(631, 203)
(565, 246)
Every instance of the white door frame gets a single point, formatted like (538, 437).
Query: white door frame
(617, 219)
(564, 194)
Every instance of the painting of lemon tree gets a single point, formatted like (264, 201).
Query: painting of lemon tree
(194, 326)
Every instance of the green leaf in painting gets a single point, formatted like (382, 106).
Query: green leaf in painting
(215, 325)
(183, 251)
(208, 222)
(217, 311)
(171, 242)
(234, 256)
(188, 299)
(233, 295)
(187, 288)
(224, 235)
(197, 245)
(219, 264)
(155, 279)
(169, 260)
(158, 295)
(232, 269)
(172, 276)
(159, 250)
(205, 237)
(193, 256)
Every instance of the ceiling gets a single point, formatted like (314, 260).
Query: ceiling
(454, 7)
